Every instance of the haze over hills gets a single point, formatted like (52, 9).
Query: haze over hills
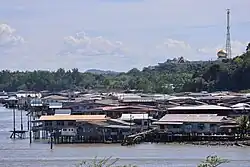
(97, 71)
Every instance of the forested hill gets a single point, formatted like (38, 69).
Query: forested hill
(160, 78)
(231, 75)
(173, 75)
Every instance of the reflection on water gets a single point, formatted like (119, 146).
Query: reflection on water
(21, 154)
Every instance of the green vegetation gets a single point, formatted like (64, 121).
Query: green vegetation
(244, 125)
(157, 79)
(106, 162)
(227, 75)
(213, 161)
(172, 76)
(210, 161)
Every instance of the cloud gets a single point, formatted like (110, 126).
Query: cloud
(82, 44)
(176, 44)
(171, 48)
(177, 48)
(238, 47)
(191, 30)
(8, 37)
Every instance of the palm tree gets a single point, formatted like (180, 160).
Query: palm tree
(243, 122)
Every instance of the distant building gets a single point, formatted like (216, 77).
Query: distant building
(200, 109)
(143, 120)
(23, 94)
(82, 128)
(195, 123)
(221, 54)
(3, 96)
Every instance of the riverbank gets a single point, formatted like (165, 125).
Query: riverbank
(243, 143)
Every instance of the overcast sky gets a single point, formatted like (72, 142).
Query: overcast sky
(116, 34)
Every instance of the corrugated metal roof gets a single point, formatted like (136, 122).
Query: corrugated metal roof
(229, 126)
(118, 126)
(63, 111)
(12, 98)
(207, 98)
(167, 123)
(121, 122)
(107, 102)
(192, 118)
(241, 105)
(36, 103)
(55, 97)
(181, 98)
(134, 116)
(200, 107)
(55, 105)
(99, 123)
(138, 100)
(72, 117)
(108, 108)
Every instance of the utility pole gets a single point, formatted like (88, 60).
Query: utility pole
(51, 140)
(21, 120)
(30, 129)
(14, 122)
(228, 38)
(130, 117)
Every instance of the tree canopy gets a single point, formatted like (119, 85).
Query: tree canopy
(171, 76)
(231, 75)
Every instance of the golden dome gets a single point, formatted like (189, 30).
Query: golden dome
(222, 53)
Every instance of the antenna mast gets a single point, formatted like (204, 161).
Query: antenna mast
(228, 40)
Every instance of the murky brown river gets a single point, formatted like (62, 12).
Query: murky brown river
(20, 153)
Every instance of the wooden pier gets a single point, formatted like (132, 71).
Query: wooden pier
(18, 134)
(155, 136)
(138, 137)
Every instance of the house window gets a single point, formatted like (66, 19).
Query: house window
(162, 127)
(201, 126)
(176, 126)
(60, 123)
(213, 125)
(188, 126)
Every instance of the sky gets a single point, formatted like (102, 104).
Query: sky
(116, 34)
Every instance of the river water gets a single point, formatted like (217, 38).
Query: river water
(19, 153)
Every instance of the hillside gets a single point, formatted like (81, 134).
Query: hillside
(100, 72)
(171, 76)
(231, 75)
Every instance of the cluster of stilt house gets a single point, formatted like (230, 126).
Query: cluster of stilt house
(77, 117)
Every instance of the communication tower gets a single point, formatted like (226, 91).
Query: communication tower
(228, 38)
